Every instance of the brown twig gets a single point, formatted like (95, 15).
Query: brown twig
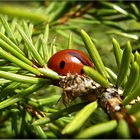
(77, 12)
(111, 102)
(108, 98)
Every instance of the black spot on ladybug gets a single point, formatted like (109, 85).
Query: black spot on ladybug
(82, 72)
(62, 64)
(79, 57)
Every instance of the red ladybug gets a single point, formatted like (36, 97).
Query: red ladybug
(69, 61)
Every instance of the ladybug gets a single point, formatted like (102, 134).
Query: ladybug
(69, 61)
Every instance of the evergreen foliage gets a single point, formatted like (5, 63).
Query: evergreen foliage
(30, 96)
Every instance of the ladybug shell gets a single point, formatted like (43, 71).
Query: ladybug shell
(69, 61)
